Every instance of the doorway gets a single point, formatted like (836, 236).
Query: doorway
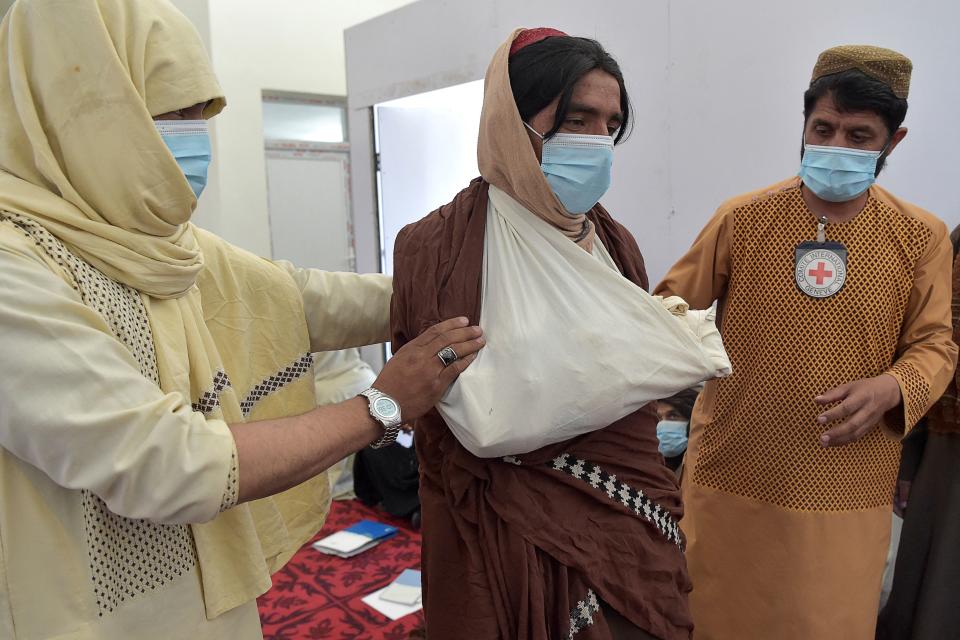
(426, 149)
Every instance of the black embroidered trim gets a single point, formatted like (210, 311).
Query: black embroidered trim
(284, 377)
(210, 400)
(633, 499)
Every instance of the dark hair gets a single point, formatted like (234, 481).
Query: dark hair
(854, 90)
(552, 67)
(683, 402)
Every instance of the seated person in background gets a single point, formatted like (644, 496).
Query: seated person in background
(547, 510)
(389, 479)
(674, 425)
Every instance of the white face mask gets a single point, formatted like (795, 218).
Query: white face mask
(577, 166)
(189, 142)
(672, 435)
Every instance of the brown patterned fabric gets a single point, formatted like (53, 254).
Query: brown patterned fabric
(889, 67)
(513, 547)
(805, 351)
(769, 510)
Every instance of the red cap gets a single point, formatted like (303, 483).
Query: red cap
(530, 36)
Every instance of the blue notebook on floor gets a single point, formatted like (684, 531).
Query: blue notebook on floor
(356, 539)
(373, 530)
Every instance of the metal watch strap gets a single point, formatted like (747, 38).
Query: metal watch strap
(389, 437)
(391, 429)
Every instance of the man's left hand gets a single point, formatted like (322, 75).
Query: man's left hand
(862, 405)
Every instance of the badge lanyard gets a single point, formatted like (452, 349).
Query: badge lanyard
(820, 267)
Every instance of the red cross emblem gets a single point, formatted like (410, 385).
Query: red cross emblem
(821, 273)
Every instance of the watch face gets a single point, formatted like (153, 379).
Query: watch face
(386, 408)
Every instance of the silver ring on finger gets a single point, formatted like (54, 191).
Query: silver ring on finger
(447, 356)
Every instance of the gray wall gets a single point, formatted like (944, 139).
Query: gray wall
(717, 89)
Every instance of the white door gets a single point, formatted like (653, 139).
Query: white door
(427, 147)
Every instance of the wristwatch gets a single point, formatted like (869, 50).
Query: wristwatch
(386, 411)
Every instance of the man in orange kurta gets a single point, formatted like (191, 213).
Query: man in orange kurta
(834, 301)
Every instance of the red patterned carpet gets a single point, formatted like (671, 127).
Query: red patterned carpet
(318, 596)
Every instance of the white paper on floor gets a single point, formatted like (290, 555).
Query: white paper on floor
(392, 610)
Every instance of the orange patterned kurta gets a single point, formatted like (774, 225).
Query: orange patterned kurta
(787, 539)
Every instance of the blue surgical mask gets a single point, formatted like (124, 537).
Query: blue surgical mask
(672, 435)
(189, 142)
(577, 168)
(838, 174)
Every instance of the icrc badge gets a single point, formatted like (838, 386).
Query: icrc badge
(821, 268)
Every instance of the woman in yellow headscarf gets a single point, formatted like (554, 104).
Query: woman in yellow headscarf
(161, 452)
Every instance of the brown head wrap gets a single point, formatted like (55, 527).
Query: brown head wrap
(504, 153)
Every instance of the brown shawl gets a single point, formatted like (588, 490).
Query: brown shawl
(514, 549)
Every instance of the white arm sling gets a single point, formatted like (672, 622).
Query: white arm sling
(572, 345)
